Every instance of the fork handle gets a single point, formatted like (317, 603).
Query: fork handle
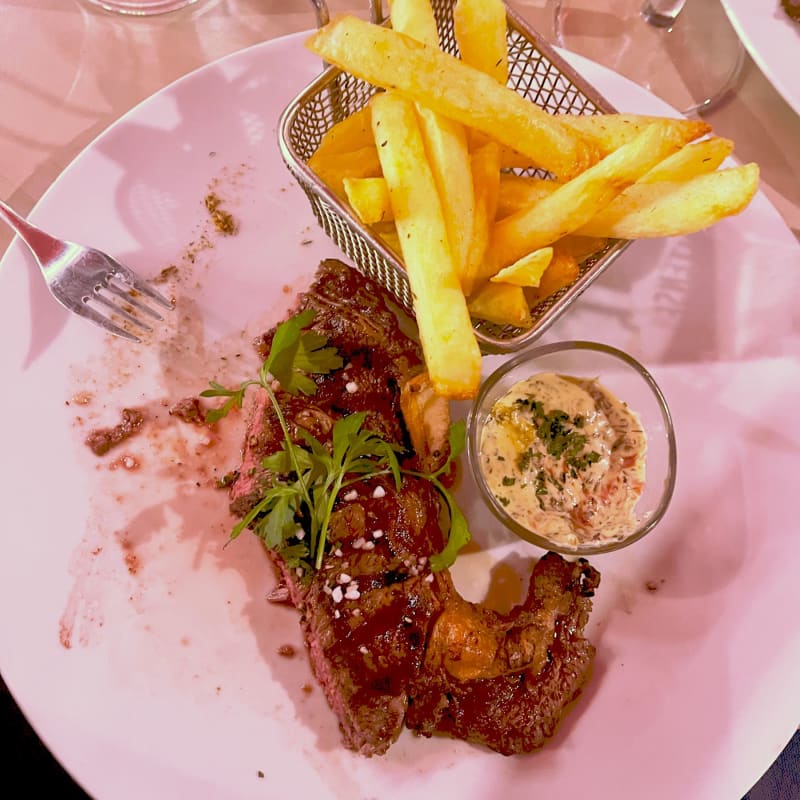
(41, 244)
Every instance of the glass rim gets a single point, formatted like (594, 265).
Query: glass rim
(140, 8)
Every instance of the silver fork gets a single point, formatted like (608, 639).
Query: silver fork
(78, 276)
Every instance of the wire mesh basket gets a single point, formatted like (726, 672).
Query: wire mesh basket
(536, 71)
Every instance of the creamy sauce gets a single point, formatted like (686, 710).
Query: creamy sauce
(566, 459)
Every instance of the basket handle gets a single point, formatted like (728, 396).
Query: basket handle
(324, 17)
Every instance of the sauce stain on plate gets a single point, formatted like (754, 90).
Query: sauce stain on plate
(153, 573)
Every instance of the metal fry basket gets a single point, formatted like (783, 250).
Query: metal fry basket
(536, 71)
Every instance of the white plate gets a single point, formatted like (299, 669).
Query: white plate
(772, 39)
(145, 654)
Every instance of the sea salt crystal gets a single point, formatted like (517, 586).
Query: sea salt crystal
(379, 492)
(363, 650)
(337, 594)
(369, 545)
(351, 495)
(351, 387)
(377, 534)
(344, 578)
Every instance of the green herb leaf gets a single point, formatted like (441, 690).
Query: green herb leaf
(296, 351)
(344, 432)
(458, 537)
(457, 437)
(235, 399)
(307, 478)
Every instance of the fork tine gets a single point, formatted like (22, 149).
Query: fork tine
(114, 308)
(104, 322)
(129, 277)
(125, 295)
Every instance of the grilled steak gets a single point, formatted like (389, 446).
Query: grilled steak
(502, 680)
(391, 642)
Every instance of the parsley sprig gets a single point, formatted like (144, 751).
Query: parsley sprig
(293, 517)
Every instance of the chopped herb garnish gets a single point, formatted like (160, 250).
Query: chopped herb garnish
(524, 460)
(557, 432)
(293, 516)
(509, 480)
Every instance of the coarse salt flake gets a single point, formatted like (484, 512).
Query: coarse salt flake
(351, 387)
(351, 495)
(379, 492)
(337, 594)
(344, 578)
(377, 534)
(363, 650)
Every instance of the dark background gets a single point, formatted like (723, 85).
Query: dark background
(27, 762)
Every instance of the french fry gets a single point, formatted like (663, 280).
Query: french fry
(501, 303)
(667, 208)
(351, 133)
(609, 132)
(486, 186)
(451, 351)
(448, 154)
(445, 140)
(428, 76)
(562, 271)
(528, 270)
(576, 202)
(520, 191)
(480, 31)
(388, 233)
(369, 199)
(415, 18)
(692, 159)
(581, 247)
(333, 168)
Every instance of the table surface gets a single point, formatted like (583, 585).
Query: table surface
(68, 70)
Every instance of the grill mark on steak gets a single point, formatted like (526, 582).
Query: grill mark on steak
(407, 649)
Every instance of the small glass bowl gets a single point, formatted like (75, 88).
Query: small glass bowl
(625, 378)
